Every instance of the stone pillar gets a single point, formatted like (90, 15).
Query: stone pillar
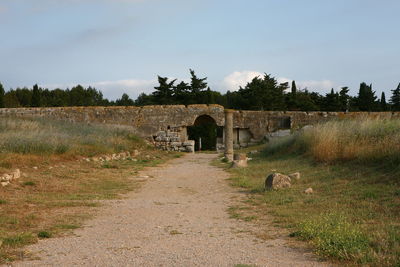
(229, 134)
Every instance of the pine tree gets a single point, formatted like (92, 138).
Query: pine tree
(164, 92)
(344, 98)
(383, 104)
(395, 99)
(197, 85)
(2, 93)
(36, 101)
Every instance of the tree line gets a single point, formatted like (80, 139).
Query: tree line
(262, 93)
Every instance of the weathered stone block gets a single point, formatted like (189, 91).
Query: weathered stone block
(277, 181)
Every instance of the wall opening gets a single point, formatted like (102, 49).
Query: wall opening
(204, 132)
(285, 123)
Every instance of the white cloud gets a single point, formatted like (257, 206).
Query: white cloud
(114, 89)
(323, 86)
(236, 79)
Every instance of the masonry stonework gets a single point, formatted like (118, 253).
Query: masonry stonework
(166, 125)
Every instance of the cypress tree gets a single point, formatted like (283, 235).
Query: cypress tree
(2, 93)
(294, 88)
(395, 99)
(344, 98)
(383, 104)
(36, 96)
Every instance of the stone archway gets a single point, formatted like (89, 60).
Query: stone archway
(204, 132)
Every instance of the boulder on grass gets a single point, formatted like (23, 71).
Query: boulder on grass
(239, 160)
(276, 181)
(239, 164)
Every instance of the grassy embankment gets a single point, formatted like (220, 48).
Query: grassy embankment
(57, 190)
(353, 216)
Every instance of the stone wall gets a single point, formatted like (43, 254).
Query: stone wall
(166, 125)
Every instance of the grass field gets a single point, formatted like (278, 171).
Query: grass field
(57, 192)
(353, 216)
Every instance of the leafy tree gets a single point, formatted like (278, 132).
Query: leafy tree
(344, 99)
(125, 100)
(24, 96)
(11, 100)
(306, 101)
(261, 94)
(383, 104)
(366, 98)
(144, 100)
(332, 102)
(2, 93)
(36, 101)
(395, 99)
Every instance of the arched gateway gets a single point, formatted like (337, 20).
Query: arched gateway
(205, 132)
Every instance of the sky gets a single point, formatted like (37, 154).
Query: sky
(120, 46)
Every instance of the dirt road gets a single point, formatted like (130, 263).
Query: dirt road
(178, 218)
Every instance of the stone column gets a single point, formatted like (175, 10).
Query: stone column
(229, 134)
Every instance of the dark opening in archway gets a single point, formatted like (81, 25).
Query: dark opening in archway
(204, 132)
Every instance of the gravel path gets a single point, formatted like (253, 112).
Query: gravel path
(178, 218)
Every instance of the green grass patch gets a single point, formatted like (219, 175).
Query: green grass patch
(44, 234)
(19, 240)
(29, 183)
(335, 236)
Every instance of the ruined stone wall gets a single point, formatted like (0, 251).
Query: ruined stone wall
(156, 121)
(147, 121)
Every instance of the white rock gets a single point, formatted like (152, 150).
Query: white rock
(6, 178)
(16, 174)
(35, 168)
(4, 183)
(295, 175)
(308, 191)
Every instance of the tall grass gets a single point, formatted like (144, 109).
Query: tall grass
(353, 167)
(366, 141)
(39, 136)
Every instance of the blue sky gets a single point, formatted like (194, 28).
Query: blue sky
(122, 45)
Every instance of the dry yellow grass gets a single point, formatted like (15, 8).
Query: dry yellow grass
(63, 191)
